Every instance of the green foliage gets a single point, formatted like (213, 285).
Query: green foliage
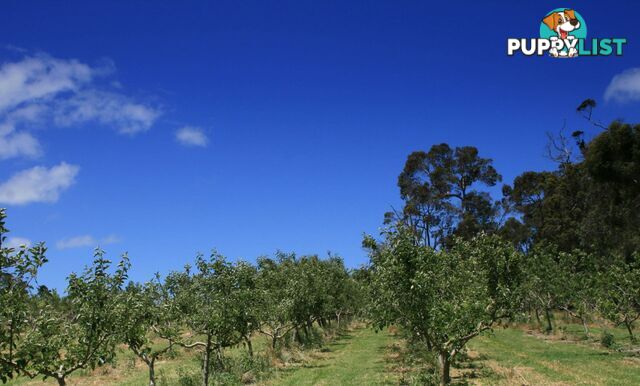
(619, 299)
(579, 225)
(82, 334)
(578, 287)
(18, 271)
(542, 282)
(612, 160)
(296, 292)
(440, 200)
(607, 339)
(591, 204)
(213, 299)
(217, 301)
(276, 283)
(184, 377)
(150, 314)
(243, 370)
(444, 298)
(42, 336)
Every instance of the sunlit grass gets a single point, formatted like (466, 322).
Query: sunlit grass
(514, 355)
(361, 356)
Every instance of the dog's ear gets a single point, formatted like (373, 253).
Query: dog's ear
(571, 14)
(551, 21)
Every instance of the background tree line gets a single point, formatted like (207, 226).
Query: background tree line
(454, 262)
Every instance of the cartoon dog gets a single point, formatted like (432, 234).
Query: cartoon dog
(562, 23)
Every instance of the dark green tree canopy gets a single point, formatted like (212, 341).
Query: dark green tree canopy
(440, 196)
(592, 204)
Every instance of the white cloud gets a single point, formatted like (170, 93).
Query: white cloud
(106, 108)
(35, 78)
(624, 87)
(192, 136)
(38, 184)
(17, 242)
(77, 242)
(85, 241)
(40, 91)
(29, 113)
(17, 144)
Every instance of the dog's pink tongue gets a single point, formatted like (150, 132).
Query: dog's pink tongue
(563, 34)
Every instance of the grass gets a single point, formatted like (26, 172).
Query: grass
(127, 371)
(354, 358)
(360, 356)
(515, 356)
(506, 357)
(130, 371)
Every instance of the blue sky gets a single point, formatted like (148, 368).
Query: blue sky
(164, 129)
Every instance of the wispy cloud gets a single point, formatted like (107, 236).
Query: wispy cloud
(624, 87)
(38, 184)
(86, 241)
(41, 91)
(37, 78)
(16, 144)
(192, 136)
(17, 242)
(105, 108)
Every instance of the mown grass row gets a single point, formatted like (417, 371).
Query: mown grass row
(523, 355)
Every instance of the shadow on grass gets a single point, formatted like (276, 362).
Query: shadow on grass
(286, 371)
(343, 336)
(411, 365)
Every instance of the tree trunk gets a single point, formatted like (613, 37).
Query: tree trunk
(249, 346)
(297, 336)
(538, 317)
(547, 315)
(274, 340)
(152, 371)
(630, 329)
(219, 357)
(61, 381)
(444, 363)
(205, 362)
(585, 326)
